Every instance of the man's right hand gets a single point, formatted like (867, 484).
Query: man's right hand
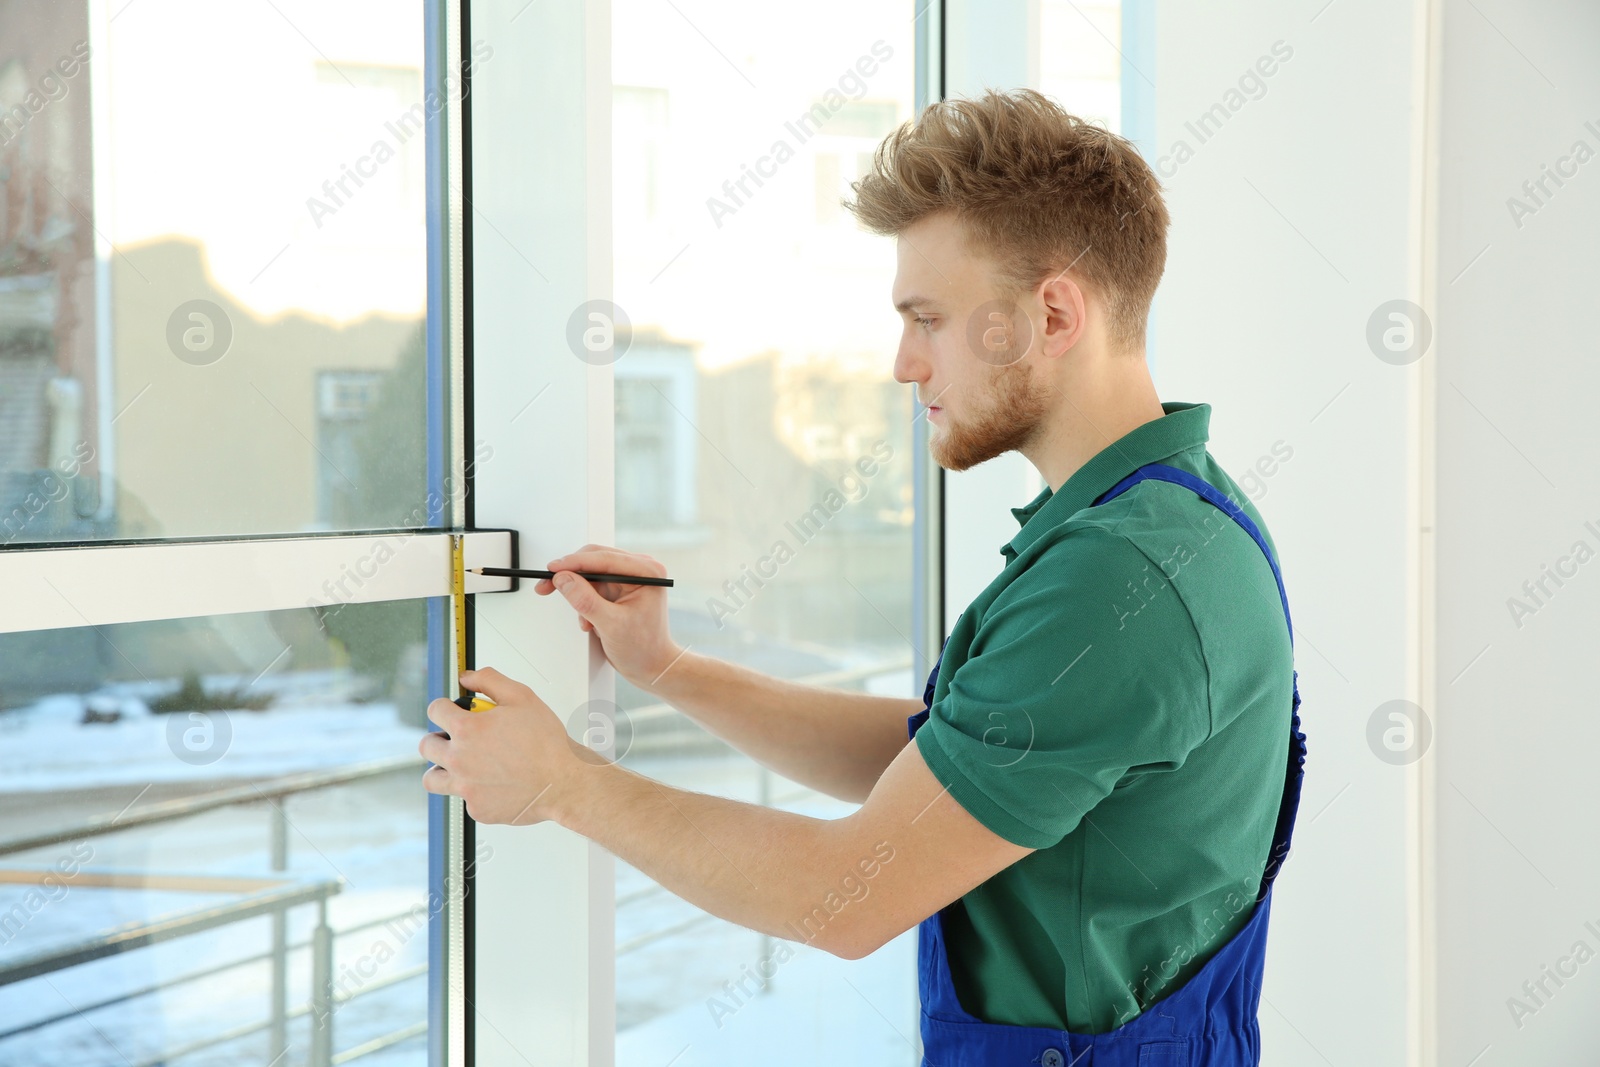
(833, 740)
(631, 620)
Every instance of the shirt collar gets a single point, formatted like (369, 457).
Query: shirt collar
(1182, 426)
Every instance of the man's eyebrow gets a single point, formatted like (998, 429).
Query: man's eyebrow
(914, 301)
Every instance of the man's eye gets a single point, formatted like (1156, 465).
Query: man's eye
(924, 322)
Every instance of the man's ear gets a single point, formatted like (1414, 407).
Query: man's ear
(1065, 311)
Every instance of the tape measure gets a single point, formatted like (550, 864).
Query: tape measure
(458, 595)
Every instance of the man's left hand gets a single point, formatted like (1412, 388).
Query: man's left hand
(509, 763)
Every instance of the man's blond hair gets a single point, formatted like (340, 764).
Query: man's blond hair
(1036, 190)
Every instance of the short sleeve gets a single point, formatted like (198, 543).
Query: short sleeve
(1084, 669)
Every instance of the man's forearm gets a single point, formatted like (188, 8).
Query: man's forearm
(764, 869)
(832, 740)
(779, 872)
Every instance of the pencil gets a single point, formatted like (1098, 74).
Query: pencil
(518, 572)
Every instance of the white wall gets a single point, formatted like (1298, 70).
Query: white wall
(1517, 733)
(1378, 165)
(1265, 307)
(1291, 223)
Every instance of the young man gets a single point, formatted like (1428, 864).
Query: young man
(1103, 772)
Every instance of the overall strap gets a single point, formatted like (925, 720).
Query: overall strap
(1163, 472)
(1295, 771)
(914, 723)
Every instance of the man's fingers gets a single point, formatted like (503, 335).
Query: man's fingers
(496, 686)
(437, 780)
(433, 747)
(446, 714)
(585, 599)
(592, 547)
(599, 559)
(609, 561)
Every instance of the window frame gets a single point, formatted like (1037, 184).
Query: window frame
(544, 894)
(57, 584)
(549, 895)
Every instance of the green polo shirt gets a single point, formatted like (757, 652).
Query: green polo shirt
(1118, 698)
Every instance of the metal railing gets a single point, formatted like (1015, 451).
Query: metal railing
(271, 896)
(275, 896)
(765, 780)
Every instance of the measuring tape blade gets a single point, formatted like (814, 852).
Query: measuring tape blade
(458, 596)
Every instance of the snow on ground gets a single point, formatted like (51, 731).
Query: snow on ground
(673, 995)
(369, 837)
(372, 836)
(49, 747)
(815, 1009)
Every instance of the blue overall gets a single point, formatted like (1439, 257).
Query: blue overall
(1209, 1021)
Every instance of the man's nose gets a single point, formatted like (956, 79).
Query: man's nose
(909, 366)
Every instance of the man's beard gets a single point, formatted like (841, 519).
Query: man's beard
(1011, 415)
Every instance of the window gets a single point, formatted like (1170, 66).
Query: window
(844, 147)
(746, 431)
(241, 791)
(236, 430)
(1082, 68)
(657, 448)
(226, 458)
(151, 325)
(640, 132)
(353, 432)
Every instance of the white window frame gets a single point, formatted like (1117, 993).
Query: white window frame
(538, 246)
(53, 585)
(543, 945)
(50, 587)
(543, 954)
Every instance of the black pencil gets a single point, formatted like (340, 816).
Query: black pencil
(518, 572)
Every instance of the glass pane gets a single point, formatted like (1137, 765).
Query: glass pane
(1080, 56)
(756, 405)
(286, 744)
(213, 268)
